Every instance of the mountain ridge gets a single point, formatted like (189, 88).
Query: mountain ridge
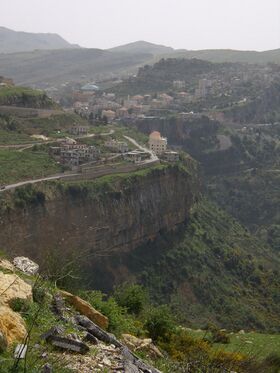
(12, 41)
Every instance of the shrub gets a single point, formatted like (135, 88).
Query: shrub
(119, 321)
(39, 294)
(132, 297)
(19, 305)
(160, 323)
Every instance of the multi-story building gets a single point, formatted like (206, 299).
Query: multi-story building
(78, 130)
(117, 146)
(157, 143)
(179, 84)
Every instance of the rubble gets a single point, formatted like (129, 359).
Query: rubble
(26, 265)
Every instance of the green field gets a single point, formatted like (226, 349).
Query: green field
(253, 344)
(14, 138)
(18, 166)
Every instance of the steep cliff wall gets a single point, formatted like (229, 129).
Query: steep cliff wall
(113, 214)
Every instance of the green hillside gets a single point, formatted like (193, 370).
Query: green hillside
(25, 97)
(213, 270)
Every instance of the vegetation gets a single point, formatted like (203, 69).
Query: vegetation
(132, 297)
(25, 97)
(213, 270)
(17, 166)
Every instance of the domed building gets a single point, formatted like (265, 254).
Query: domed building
(157, 143)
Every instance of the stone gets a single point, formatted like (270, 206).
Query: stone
(12, 325)
(3, 342)
(143, 345)
(5, 264)
(26, 265)
(12, 286)
(55, 330)
(86, 309)
(20, 351)
(58, 306)
(69, 344)
(91, 338)
(47, 368)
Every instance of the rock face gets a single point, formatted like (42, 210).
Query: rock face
(26, 265)
(86, 309)
(91, 221)
(12, 326)
(12, 286)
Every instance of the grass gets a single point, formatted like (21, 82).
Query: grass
(18, 166)
(253, 344)
(12, 91)
(14, 138)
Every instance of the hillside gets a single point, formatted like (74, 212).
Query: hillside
(189, 254)
(25, 97)
(17, 41)
(228, 55)
(212, 270)
(74, 65)
(160, 76)
(212, 55)
(142, 47)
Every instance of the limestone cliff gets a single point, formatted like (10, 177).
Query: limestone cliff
(113, 214)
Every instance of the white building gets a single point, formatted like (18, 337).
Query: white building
(117, 146)
(157, 143)
(179, 84)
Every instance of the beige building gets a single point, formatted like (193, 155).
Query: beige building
(157, 143)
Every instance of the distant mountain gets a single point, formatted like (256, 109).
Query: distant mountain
(67, 65)
(18, 41)
(229, 55)
(55, 61)
(212, 55)
(143, 47)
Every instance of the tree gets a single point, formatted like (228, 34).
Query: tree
(133, 297)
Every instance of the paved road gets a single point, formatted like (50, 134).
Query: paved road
(35, 181)
(153, 158)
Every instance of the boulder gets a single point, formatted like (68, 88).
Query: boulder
(86, 309)
(12, 326)
(26, 265)
(141, 344)
(12, 286)
(5, 264)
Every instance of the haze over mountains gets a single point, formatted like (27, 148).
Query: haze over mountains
(17, 41)
(33, 59)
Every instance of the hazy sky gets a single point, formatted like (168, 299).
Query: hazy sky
(190, 24)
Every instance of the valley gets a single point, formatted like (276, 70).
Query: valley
(145, 181)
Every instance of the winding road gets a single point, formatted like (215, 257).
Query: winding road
(153, 159)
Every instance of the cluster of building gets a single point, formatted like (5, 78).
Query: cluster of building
(218, 83)
(117, 146)
(71, 153)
